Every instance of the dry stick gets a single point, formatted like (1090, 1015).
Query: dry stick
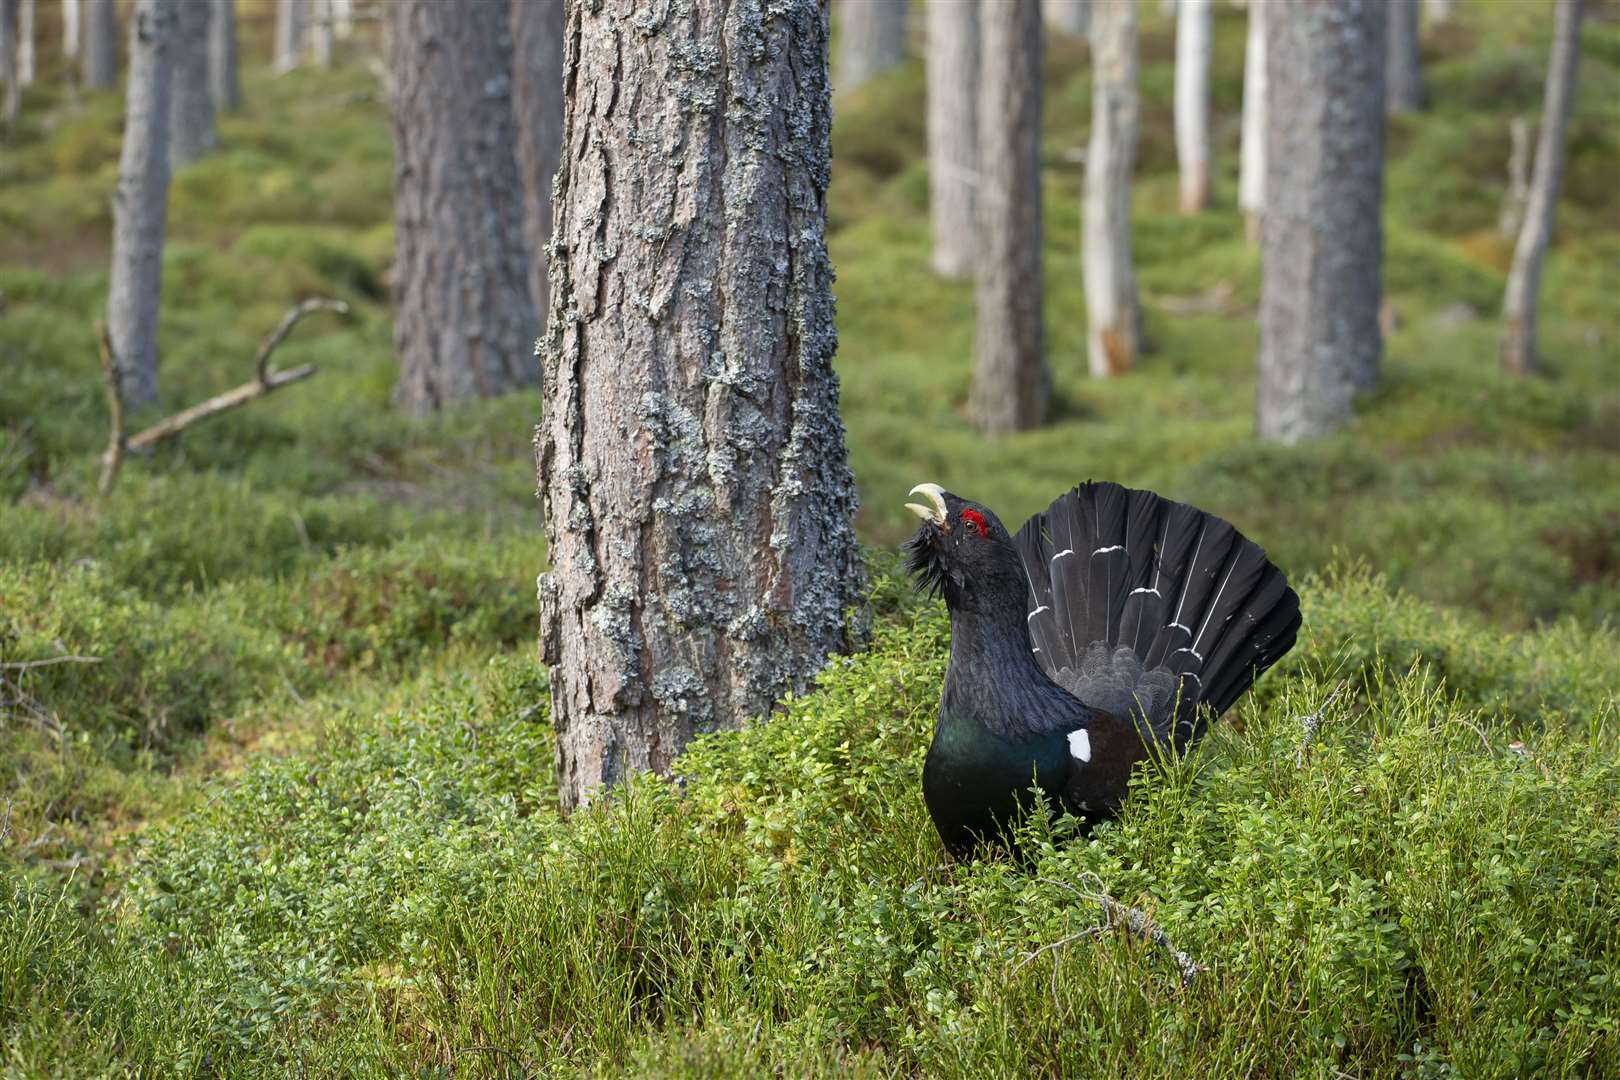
(114, 455)
(25, 665)
(1138, 922)
(1312, 723)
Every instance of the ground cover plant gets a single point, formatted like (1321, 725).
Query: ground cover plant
(293, 810)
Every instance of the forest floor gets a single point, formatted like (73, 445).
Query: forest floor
(294, 811)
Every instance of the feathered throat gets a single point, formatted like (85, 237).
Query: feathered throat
(926, 563)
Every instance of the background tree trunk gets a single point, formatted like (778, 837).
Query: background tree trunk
(25, 43)
(1319, 335)
(537, 98)
(70, 29)
(691, 459)
(1404, 77)
(1252, 166)
(292, 33)
(141, 203)
(100, 45)
(872, 38)
(9, 62)
(953, 133)
(343, 18)
(464, 324)
(1517, 196)
(320, 31)
(1011, 384)
(1112, 311)
(225, 85)
(1194, 25)
(191, 99)
(1064, 16)
(1524, 281)
(1438, 10)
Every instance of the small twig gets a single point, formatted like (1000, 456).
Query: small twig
(1312, 723)
(24, 665)
(1138, 922)
(113, 457)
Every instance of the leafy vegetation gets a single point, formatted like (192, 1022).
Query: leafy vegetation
(293, 808)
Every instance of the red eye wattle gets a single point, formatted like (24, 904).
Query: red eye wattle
(976, 519)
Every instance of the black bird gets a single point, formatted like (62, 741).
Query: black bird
(1114, 625)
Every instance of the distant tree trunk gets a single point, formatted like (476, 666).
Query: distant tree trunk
(953, 133)
(464, 324)
(1518, 190)
(692, 470)
(343, 18)
(70, 29)
(141, 202)
(25, 43)
(191, 101)
(1319, 334)
(1112, 310)
(321, 32)
(872, 39)
(1524, 281)
(292, 33)
(9, 61)
(100, 44)
(1064, 16)
(1438, 10)
(1194, 24)
(537, 98)
(1011, 384)
(224, 83)
(1404, 76)
(1252, 167)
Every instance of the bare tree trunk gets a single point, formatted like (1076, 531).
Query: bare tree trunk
(1524, 281)
(141, 203)
(100, 45)
(872, 39)
(1319, 335)
(320, 29)
(953, 133)
(70, 29)
(9, 73)
(292, 33)
(343, 18)
(1518, 190)
(191, 99)
(691, 459)
(225, 85)
(1011, 384)
(537, 97)
(1438, 10)
(1113, 316)
(464, 324)
(25, 43)
(1404, 76)
(1064, 16)
(1194, 25)
(1252, 166)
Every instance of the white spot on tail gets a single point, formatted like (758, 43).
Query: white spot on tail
(1145, 589)
(1106, 550)
(1065, 551)
(1080, 745)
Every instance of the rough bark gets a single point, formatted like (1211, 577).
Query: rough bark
(1252, 165)
(1403, 76)
(141, 202)
(1113, 315)
(25, 43)
(1065, 16)
(1524, 280)
(292, 34)
(953, 133)
(100, 45)
(1194, 25)
(224, 82)
(537, 98)
(1319, 334)
(691, 458)
(191, 98)
(70, 29)
(464, 325)
(1517, 196)
(1011, 384)
(8, 62)
(872, 39)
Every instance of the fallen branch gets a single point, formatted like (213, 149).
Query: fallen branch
(25, 665)
(1137, 922)
(113, 458)
(264, 382)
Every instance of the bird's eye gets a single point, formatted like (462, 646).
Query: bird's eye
(976, 519)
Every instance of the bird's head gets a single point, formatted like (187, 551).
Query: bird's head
(964, 553)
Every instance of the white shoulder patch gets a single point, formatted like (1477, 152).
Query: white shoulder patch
(1080, 745)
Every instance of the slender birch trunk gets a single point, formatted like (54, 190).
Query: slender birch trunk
(191, 98)
(321, 32)
(9, 73)
(1438, 11)
(953, 133)
(1252, 165)
(343, 18)
(25, 43)
(100, 45)
(537, 98)
(1403, 83)
(1524, 281)
(1113, 317)
(872, 39)
(1194, 25)
(1065, 16)
(141, 203)
(292, 34)
(70, 29)
(225, 84)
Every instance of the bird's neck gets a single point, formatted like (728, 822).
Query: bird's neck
(994, 677)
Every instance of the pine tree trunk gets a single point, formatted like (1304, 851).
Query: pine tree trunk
(1064, 16)
(537, 98)
(464, 324)
(1252, 166)
(872, 39)
(225, 85)
(953, 133)
(100, 45)
(1319, 335)
(1011, 384)
(320, 31)
(292, 33)
(9, 73)
(1524, 281)
(1113, 316)
(691, 459)
(1194, 25)
(191, 99)
(141, 202)
(25, 43)
(70, 29)
(1404, 77)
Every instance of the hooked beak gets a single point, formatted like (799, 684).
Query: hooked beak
(936, 496)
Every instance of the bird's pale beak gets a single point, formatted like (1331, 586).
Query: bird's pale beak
(936, 496)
